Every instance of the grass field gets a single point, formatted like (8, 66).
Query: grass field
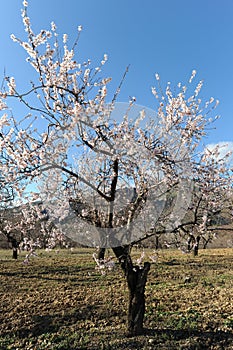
(59, 301)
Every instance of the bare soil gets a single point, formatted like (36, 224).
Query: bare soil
(60, 301)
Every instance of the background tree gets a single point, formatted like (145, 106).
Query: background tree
(105, 182)
(27, 226)
(6, 200)
(210, 209)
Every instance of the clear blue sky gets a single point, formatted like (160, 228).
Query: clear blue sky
(171, 37)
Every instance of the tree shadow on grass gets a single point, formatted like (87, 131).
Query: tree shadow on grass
(48, 324)
(195, 339)
(162, 339)
(61, 273)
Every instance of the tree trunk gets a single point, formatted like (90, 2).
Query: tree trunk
(190, 240)
(136, 279)
(101, 253)
(14, 244)
(15, 253)
(196, 246)
(156, 242)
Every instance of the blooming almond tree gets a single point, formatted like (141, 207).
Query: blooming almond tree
(212, 196)
(104, 180)
(211, 206)
(26, 226)
(6, 199)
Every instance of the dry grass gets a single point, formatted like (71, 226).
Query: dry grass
(59, 301)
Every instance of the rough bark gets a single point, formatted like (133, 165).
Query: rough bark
(14, 244)
(157, 245)
(136, 279)
(101, 253)
(190, 240)
(196, 246)
(15, 253)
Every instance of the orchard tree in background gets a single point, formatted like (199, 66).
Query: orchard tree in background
(210, 210)
(26, 225)
(6, 200)
(106, 181)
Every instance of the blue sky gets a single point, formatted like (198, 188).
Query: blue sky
(171, 37)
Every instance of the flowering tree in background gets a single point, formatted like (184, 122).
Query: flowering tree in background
(211, 206)
(212, 197)
(26, 226)
(106, 182)
(6, 199)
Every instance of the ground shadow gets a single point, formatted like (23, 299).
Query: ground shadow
(198, 339)
(52, 323)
